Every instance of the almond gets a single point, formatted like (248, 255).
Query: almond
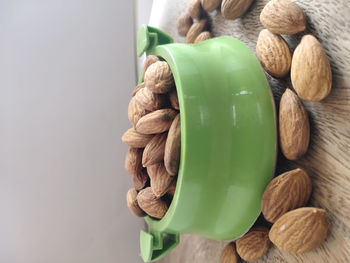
(148, 62)
(283, 17)
(172, 188)
(274, 53)
(156, 122)
(154, 150)
(210, 5)
(135, 139)
(152, 205)
(159, 78)
(195, 30)
(294, 127)
(132, 203)
(174, 101)
(254, 244)
(233, 9)
(173, 146)
(300, 230)
(195, 9)
(202, 36)
(160, 179)
(135, 111)
(138, 87)
(285, 192)
(229, 254)
(149, 100)
(140, 180)
(311, 72)
(183, 24)
(133, 161)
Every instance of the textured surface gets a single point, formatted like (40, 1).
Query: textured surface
(328, 159)
(300, 230)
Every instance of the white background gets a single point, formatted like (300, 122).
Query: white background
(67, 68)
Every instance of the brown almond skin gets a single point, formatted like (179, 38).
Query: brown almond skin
(300, 230)
(158, 121)
(140, 180)
(159, 78)
(283, 17)
(274, 54)
(285, 192)
(160, 179)
(233, 9)
(148, 62)
(132, 203)
(294, 127)
(173, 146)
(174, 101)
(135, 139)
(195, 9)
(202, 37)
(183, 24)
(195, 30)
(135, 111)
(172, 188)
(254, 244)
(149, 100)
(138, 87)
(152, 205)
(133, 161)
(229, 254)
(154, 150)
(311, 73)
(210, 5)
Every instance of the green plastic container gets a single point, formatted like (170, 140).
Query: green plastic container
(228, 140)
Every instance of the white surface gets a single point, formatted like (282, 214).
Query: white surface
(143, 15)
(66, 71)
(144, 8)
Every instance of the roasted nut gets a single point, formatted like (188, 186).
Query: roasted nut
(274, 53)
(285, 192)
(294, 127)
(152, 205)
(154, 150)
(195, 9)
(254, 244)
(283, 17)
(202, 36)
(133, 161)
(158, 121)
(195, 30)
(300, 230)
(311, 72)
(135, 139)
(160, 179)
(173, 146)
(184, 22)
(159, 78)
(132, 203)
(233, 9)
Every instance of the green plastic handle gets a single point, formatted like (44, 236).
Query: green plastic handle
(150, 37)
(155, 245)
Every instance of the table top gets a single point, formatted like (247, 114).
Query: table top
(328, 157)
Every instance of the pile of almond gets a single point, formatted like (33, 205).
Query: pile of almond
(311, 74)
(194, 24)
(198, 31)
(154, 140)
(295, 228)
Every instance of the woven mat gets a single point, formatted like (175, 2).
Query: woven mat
(328, 158)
